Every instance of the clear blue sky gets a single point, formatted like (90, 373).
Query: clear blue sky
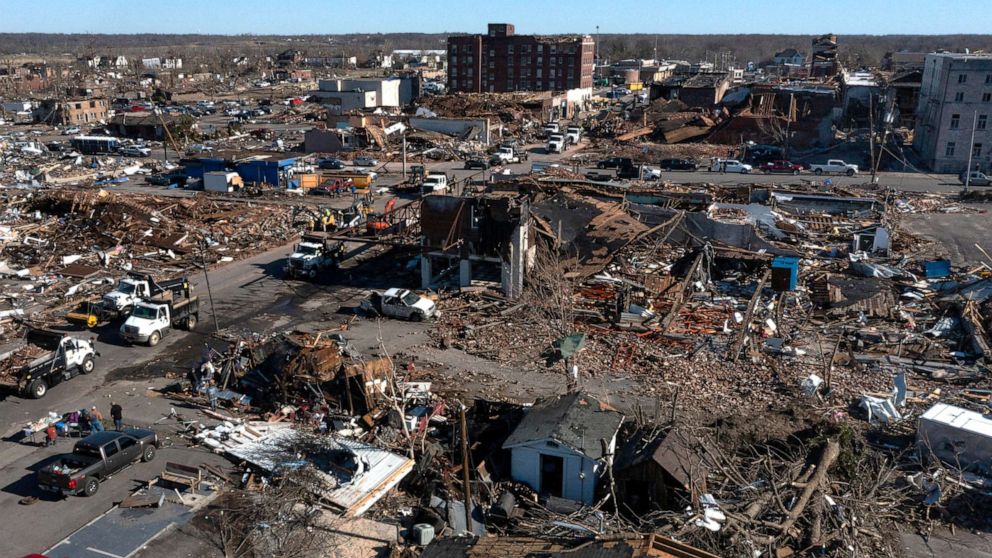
(288, 17)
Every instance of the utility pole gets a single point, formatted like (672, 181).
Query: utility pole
(210, 293)
(404, 156)
(466, 476)
(871, 133)
(971, 151)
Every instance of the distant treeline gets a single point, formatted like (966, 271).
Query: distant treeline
(854, 50)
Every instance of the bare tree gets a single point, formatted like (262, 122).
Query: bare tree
(279, 521)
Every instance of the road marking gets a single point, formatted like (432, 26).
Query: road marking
(98, 551)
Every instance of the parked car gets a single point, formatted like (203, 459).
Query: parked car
(71, 130)
(976, 179)
(476, 163)
(669, 165)
(167, 178)
(135, 151)
(834, 166)
(731, 165)
(363, 161)
(611, 163)
(95, 458)
(331, 163)
(781, 166)
(400, 303)
(650, 173)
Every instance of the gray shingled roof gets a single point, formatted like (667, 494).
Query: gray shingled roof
(576, 420)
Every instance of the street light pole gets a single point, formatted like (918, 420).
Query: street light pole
(971, 152)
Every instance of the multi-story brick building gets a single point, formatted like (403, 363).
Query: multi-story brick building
(73, 112)
(955, 98)
(501, 61)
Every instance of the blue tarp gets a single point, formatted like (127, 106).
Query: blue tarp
(937, 268)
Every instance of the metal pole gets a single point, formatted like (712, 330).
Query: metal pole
(210, 293)
(466, 477)
(971, 151)
(871, 133)
(404, 156)
(595, 61)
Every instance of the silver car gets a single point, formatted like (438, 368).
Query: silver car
(365, 162)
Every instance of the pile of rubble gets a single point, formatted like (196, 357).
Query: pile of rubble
(59, 244)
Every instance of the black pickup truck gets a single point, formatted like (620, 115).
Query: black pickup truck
(96, 457)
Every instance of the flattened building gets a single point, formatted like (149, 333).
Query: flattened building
(502, 61)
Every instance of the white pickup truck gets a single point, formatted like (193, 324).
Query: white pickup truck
(556, 143)
(834, 166)
(434, 183)
(573, 134)
(400, 303)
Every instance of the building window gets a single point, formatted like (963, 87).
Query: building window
(551, 73)
(955, 121)
(509, 61)
(988, 79)
(987, 97)
(540, 60)
(509, 49)
(468, 71)
(976, 150)
(492, 64)
(539, 73)
(540, 48)
(492, 52)
(959, 97)
(553, 61)
(962, 78)
(983, 120)
(949, 150)
(454, 71)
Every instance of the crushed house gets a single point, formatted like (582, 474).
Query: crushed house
(563, 445)
(653, 468)
(487, 236)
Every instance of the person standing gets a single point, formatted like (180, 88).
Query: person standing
(117, 413)
(51, 435)
(96, 420)
(212, 394)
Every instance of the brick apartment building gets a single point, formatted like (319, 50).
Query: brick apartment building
(501, 61)
(74, 112)
(955, 97)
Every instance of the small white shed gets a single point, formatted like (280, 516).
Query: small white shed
(561, 446)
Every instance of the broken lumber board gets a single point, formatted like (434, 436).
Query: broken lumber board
(680, 298)
(735, 350)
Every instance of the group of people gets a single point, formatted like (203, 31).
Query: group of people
(82, 420)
